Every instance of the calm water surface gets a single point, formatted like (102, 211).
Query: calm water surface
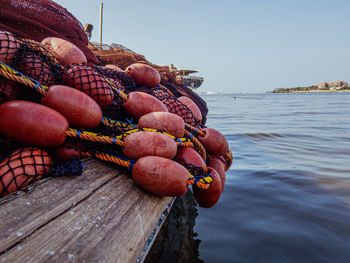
(287, 194)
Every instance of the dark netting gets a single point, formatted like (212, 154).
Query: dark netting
(8, 90)
(36, 62)
(194, 170)
(73, 167)
(181, 90)
(8, 47)
(175, 106)
(160, 93)
(124, 79)
(21, 168)
(89, 81)
(116, 110)
(38, 19)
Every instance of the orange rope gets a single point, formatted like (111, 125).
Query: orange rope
(195, 130)
(196, 142)
(167, 90)
(22, 80)
(95, 138)
(108, 158)
(185, 144)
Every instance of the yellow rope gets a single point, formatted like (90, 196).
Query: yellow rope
(14, 75)
(90, 136)
(121, 94)
(112, 123)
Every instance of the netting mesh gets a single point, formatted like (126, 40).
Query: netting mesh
(8, 47)
(124, 79)
(34, 63)
(175, 106)
(21, 168)
(38, 19)
(86, 79)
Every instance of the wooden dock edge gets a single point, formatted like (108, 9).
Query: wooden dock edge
(101, 216)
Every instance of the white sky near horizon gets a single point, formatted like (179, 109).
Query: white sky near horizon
(237, 46)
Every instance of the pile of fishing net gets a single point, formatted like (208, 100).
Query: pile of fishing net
(56, 108)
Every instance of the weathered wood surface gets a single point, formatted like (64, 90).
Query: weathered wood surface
(101, 216)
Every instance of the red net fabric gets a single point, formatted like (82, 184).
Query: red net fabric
(90, 82)
(22, 167)
(38, 19)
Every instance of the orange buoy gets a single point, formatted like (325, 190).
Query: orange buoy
(188, 155)
(65, 52)
(168, 122)
(143, 75)
(209, 197)
(218, 166)
(146, 143)
(79, 109)
(32, 123)
(214, 141)
(87, 80)
(20, 167)
(140, 103)
(160, 176)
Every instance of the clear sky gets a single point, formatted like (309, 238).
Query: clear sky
(237, 45)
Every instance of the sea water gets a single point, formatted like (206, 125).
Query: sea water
(287, 194)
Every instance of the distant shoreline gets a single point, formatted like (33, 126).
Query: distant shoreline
(312, 91)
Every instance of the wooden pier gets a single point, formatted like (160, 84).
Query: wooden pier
(101, 216)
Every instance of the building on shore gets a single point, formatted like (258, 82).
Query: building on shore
(332, 85)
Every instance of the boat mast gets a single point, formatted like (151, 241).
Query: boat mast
(101, 20)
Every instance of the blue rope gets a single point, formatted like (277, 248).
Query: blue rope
(37, 84)
(179, 140)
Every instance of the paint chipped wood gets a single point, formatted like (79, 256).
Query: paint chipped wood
(101, 216)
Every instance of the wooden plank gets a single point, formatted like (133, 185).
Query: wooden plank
(100, 216)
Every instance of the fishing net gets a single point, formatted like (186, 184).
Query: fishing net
(8, 47)
(27, 165)
(38, 19)
(37, 63)
(89, 81)
(31, 65)
(180, 90)
(124, 79)
(180, 109)
(21, 168)
(170, 101)
(121, 82)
